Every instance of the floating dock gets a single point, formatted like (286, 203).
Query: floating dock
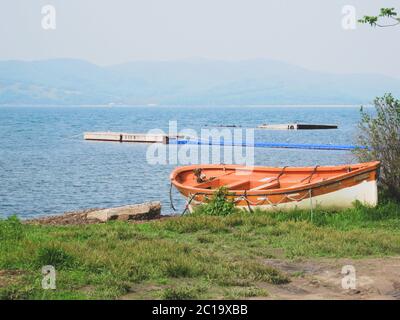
(297, 126)
(126, 137)
(181, 140)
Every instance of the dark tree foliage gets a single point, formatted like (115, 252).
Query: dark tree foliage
(379, 134)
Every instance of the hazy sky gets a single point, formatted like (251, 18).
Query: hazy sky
(308, 33)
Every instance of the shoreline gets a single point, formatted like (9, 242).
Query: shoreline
(80, 217)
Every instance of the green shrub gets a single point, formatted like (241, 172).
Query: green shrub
(11, 229)
(219, 204)
(379, 135)
(54, 256)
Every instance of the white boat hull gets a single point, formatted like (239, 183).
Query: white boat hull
(365, 192)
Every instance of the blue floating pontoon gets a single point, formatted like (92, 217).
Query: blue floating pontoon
(266, 144)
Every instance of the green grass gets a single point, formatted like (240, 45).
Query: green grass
(195, 256)
(183, 292)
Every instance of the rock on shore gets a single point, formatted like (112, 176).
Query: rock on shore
(143, 211)
(138, 212)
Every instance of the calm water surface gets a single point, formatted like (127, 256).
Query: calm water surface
(47, 168)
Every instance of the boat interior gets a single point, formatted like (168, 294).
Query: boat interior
(261, 179)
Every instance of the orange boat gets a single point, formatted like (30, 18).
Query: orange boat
(280, 188)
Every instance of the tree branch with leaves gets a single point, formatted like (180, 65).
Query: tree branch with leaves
(376, 21)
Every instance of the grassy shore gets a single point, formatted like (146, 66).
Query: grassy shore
(194, 256)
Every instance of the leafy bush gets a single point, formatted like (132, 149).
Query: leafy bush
(11, 229)
(219, 204)
(54, 256)
(379, 136)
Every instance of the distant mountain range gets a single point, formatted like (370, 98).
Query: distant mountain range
(185, 82)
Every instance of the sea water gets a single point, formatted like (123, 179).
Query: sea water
(47, 168)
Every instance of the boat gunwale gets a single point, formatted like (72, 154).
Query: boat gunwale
(369, 167)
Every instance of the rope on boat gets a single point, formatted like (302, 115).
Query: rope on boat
(251, 203)
(274, 205)
(296, 199)
(311, 204)
(281, 173)
(311, 175)
(247, 201)
(262, 201)
(170, 198)
(188, 204)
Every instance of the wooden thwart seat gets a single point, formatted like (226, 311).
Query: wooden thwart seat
(306, 182)
(236, 184)
(269, 185)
